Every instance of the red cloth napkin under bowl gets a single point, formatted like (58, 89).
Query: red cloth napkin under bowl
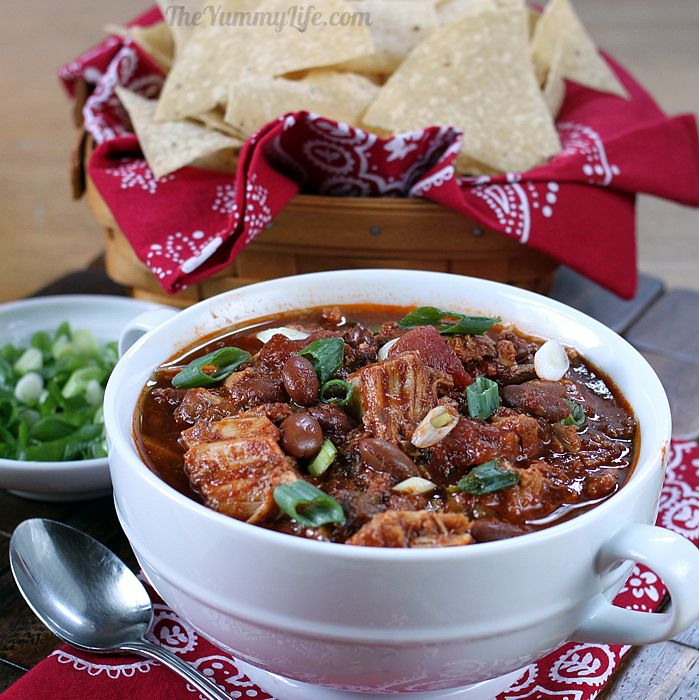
(578, 208)
(575, 671)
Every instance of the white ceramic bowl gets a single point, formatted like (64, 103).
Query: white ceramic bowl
(402, 620)
(106, 317)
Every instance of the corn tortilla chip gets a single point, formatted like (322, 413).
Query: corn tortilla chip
(170, 146)
(218, 54)
(215, 119)
(157, 41)
(452, 10)
(581, 61)
(554, 89)
(397, 26)
(341, 96)
(179, 16)
(476, 75)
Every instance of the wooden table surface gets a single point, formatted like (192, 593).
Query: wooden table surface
(664, 325)
(657, 40)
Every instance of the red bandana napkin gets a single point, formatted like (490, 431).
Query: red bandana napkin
(578, 208)
(576, 671)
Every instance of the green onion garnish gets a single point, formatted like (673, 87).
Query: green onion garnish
(326, 356)
(323, 459)
(487, 478)
(483, 398)
(308, 505)
(577, 415)
(337, 391)
(225, 360)
(431, 316)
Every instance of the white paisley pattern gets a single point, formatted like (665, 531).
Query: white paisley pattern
(679, 499)
(113, 671)
(643, 584)
(584, 664)
(136, 174)
(258, 215)
(104, 99)
(579, 139)
(187, 251)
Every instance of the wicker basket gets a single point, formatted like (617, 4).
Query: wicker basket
(315, 233)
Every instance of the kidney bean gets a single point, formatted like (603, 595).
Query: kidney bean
(332, 418)
(386, 457)
(300, 380)
(492, 529)
(358, 335)
(302, 436)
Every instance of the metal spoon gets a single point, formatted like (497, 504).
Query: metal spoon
(88, 597)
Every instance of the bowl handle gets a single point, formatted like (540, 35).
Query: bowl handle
(675, 560)
(141, 324)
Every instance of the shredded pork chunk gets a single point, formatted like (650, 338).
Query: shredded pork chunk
(421, 528)
(396, 394)
(236, 464)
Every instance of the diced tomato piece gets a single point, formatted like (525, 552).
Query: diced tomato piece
(434, 351)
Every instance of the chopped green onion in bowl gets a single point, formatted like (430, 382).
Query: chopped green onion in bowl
(483, 397)
(308, 505)
(51, 396)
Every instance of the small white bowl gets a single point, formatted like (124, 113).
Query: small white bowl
(104, 316)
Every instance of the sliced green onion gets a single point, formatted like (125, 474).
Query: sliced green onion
(431, 316)
(487, 478)
(337, 391)
(62, 346)
(483, 398)
(308, 505)
(41, 340)
(94, 393)
(326, 356)
(323, 459)
(31, 360)
(78, 381)
(29, 388)
(225, 360)
(577, 415)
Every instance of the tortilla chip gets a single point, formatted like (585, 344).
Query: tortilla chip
(169, 146)
(341, 96)
(554, 89)
(178, 15)
(476, 75)
(225, 161)
(218, 54)
(157, 41)
(452, 10)
(534, 16)
(397, 26)
(581, 61)
(215, 119)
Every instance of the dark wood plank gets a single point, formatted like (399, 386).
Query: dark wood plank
(13, 510)
(655, 672)
(4, 550)
(670, 326)
(573, 289)
(681, 381)
(92, 281)
(23, 639)
(9, 673)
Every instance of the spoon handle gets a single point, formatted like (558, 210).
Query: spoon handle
(174, 663)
